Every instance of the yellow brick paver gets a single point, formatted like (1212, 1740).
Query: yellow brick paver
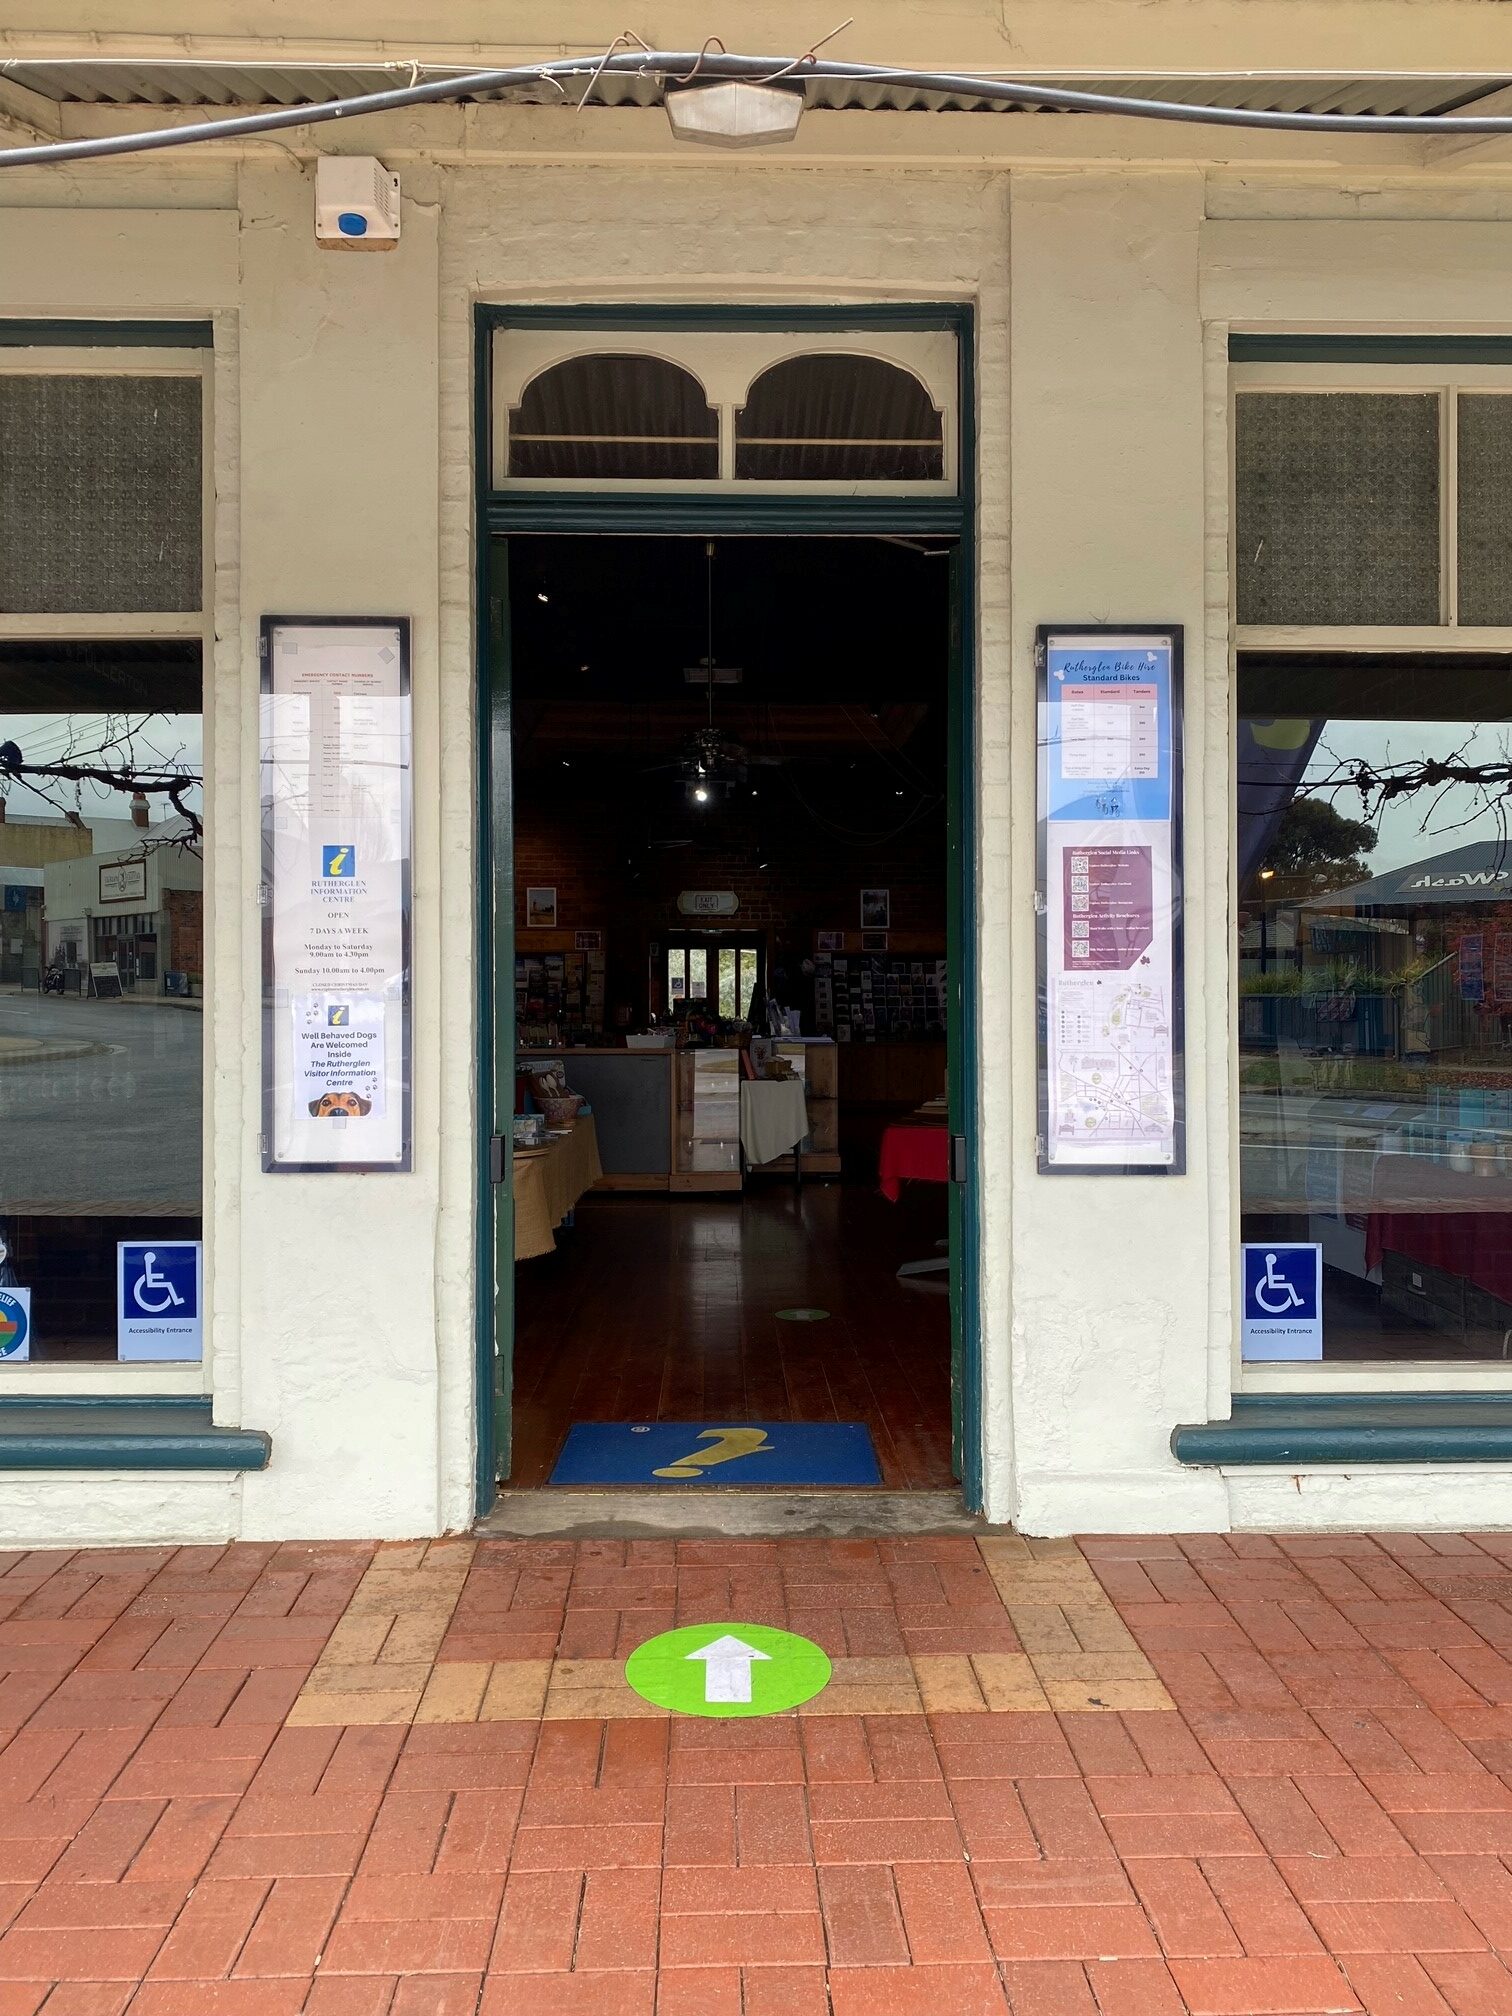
(454, 1692)
(516, 1690)
(948, 1685)
(383, 1663)
(1009, 1682)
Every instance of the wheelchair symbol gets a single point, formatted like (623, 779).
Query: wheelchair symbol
(170, 1298)
(1273, 1283)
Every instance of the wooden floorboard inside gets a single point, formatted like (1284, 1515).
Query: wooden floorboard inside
(664, 1309)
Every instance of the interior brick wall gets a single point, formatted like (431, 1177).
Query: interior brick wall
(592, 851)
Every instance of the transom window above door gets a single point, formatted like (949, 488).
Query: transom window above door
(611, 415)
(832, 411)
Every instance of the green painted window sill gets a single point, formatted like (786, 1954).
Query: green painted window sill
(1301, 1430)
(116, 1432)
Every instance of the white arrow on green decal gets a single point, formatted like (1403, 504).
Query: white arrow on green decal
(727, 1673)
(710, 1669)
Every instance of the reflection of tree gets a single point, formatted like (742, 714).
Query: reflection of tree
(1381, 784)
(1315, 849)
(122, 758)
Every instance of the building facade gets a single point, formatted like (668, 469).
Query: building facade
(1118, 288)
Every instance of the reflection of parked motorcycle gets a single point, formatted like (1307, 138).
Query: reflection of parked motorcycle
(52, 980)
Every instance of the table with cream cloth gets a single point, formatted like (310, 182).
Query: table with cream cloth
(547, 1186)
(773, 1117)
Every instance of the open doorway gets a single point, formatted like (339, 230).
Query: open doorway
(732, 978)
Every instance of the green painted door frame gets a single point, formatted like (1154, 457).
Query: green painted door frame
(496, 1227)
(500, 513)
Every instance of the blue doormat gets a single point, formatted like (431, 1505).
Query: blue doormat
(696, 1454)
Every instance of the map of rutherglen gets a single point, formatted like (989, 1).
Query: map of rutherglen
(1113, 1062)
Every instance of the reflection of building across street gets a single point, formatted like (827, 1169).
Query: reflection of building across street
(142, 912)
(75, 890)
(1478, 873)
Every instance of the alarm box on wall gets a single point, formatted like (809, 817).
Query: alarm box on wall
(356, 203)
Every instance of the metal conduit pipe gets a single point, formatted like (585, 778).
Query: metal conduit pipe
(674, 68)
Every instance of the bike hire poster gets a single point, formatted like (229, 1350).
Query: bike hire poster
(1109, 792)
(336, 840)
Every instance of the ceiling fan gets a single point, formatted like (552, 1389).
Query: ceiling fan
(711, 764)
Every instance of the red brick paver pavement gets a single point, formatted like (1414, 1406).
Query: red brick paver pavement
(1318, 1818)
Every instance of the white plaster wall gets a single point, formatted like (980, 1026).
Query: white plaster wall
(1409, 1497)
(117, 1508)
(337, 1319)
(1113, 1278)
(1366, 273)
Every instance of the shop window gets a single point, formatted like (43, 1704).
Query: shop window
(824, 417)
(1484, 445)
(102, 994)
(614, 417)
(1375, 996)
(100, 492)
(1337, 515)
(102, 849)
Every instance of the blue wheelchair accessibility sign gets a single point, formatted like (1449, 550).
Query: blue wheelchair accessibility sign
(158, 1294)
(1283, 1301)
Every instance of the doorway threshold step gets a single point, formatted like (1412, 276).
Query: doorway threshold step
(558, 1514)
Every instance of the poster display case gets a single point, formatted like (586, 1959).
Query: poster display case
(1109, 900)
(336, 810)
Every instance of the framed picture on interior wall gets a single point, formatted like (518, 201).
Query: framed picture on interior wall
(876, 909)
(540, 909)
(829, 941)
(587, 941)
(873, 941)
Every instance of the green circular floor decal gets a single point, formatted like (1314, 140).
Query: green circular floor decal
(803, 1315)
(727, 1669)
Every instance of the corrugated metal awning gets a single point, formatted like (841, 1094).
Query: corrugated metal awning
(247, 85)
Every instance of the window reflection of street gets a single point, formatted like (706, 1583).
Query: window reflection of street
(107, 1114)
(1375, 1022)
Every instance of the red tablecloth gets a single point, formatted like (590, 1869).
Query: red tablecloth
(913, 1150)
(1457, 1220)
(1474, 1244)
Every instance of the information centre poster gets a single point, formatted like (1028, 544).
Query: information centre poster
(1110, 900)
(336, 884)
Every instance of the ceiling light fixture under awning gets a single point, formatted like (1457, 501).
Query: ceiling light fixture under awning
(735, 114)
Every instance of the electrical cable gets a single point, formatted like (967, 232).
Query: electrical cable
(664, 66)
